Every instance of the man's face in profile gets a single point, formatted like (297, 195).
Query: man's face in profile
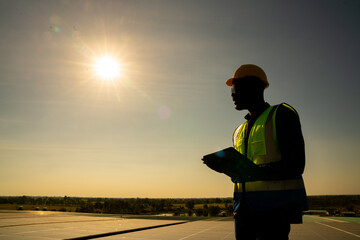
(245, 92)
(240, 94)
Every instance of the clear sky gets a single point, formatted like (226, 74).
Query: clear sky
(65, 131)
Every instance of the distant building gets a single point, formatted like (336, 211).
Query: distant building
(316, 212)
(348, 214)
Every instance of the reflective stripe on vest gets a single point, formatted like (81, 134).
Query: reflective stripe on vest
(277, 185)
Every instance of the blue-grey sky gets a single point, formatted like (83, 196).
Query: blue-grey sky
(64, 131)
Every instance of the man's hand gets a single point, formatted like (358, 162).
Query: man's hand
(214, 162)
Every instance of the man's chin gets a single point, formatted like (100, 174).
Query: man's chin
(239, 107)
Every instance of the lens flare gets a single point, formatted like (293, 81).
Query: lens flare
(164, 112)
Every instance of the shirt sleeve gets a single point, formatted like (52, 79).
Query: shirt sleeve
(290, 140)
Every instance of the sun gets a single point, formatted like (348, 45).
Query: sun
(107, 67)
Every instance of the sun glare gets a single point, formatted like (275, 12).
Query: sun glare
(107, 67)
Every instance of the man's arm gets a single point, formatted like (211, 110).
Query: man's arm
(291, 141)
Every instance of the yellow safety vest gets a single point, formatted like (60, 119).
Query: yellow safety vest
(263, 148)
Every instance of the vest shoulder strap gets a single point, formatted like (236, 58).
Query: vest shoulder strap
(236, 133)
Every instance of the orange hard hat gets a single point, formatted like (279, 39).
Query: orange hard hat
(249, 70)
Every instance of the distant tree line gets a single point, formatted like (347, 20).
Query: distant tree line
(176, 206)
(335, 203)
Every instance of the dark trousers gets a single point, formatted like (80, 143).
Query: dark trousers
(269, 225)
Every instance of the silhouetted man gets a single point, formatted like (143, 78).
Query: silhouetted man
(274, 195)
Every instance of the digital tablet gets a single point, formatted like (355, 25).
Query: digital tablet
(230, 162)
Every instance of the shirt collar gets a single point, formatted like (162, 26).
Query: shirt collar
(258, 113)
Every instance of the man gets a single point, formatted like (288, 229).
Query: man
(273, 196)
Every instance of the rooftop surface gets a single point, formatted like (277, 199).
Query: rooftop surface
(31, 225)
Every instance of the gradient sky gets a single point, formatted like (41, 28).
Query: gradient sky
(63, 131)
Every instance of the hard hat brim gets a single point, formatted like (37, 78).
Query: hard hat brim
(229, 82)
